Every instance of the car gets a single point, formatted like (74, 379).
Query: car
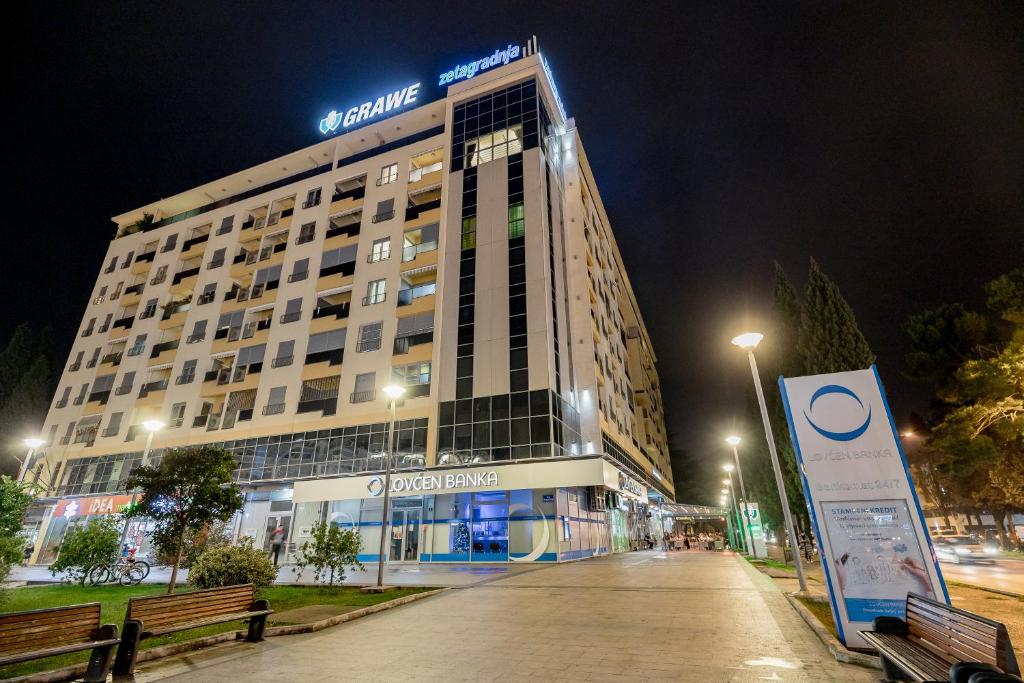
(958, 549)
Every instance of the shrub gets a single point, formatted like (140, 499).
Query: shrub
(86, 547)
(232, 565)
(331, 549)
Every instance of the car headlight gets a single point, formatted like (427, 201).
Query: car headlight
(963, 551)
(991, 550)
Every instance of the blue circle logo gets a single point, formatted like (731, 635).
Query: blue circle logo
(838, 436)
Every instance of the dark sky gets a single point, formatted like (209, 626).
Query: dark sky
(885, 140)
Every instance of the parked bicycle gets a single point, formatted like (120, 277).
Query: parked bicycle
(125, 570)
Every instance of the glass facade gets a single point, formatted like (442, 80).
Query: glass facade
(522, 525)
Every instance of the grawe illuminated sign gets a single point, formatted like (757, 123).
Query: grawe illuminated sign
(370, 110)
(470, 69)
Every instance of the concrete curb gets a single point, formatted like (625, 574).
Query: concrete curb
(77, 671)
(997, 591)
(835, 648)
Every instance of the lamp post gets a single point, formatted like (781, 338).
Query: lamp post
(734, 441)
(740, 543)
(748, 341)
(32, 444)
(393, 392)
(151, 427)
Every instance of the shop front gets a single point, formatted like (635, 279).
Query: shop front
(70, 513)
(529, 512)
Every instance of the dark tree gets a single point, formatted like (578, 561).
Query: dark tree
(830, 340)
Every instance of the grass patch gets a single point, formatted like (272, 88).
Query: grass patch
(775, 564)
(822, 612)
(114, 601)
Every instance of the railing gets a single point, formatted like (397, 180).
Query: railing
(413, 250)
(215, 263)
(87, 331)
(377, 298)
(407, 296)
(349, 229)
(186, 378)
(354, 193)
(310, 203)
(298, 277)
(327, 405)
(414, 212)
(151, 387)
(304, 237)
(114, 358)
(199, 239)
(185, 274)
(200, 420)
(123, 389)
(176, 308)
(103, 328)
(63, 403)
(282, 361)
(75, 366)
(193, 338)
(273, 409)
(378, 256)
(206, 298)
(362, 396)
(291, 317)
(387, 179)
(135, 289)
(332, 356)
(381, 217)
(164, 346)
(339, 311)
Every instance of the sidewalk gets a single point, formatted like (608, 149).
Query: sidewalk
(684, 616)
(449, 575)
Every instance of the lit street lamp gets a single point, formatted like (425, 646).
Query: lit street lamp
(748, 341)
(33, 444)
(393, 392)
(741, 542)
(734, 441)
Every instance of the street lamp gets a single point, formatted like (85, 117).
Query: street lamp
(734, 441)
(735, 508)
(32, 444)
(393, 392)
(748, 341)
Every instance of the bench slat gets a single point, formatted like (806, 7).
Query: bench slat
(919, 663)
(982, 628)
(14, 620)
(958, 631)
(207, 592)
(72, 635)
(53, 651)
(168, 603)
(186, 614)
(42, 629)
(219, 619)
(949, 641)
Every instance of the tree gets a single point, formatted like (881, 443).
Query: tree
(941, 339)
(189, 489)
(830, 340)
(329, 552)
(14, 500)
(88, 546)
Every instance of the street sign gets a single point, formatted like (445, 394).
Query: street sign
(753, 529)
(871, 532)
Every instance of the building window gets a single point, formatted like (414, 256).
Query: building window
(300, 270)
(369, 337)
(312, 198)
(364, 389)
(469, 232)
(496, 145)
(412, 374)
(285, 354)
(218, 259)
(292, 311)
(275, 402)
(306, 233)
(177, 415)
(385, 211)
(375, 292)
(225, 225)
(515, 220)
(380, 251)
(139, 346)
(188, 372)
(388, 174)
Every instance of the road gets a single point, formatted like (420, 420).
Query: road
(652, 616)
(1005, 575)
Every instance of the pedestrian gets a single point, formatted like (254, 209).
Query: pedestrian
(686, 542)
(30, 548)
(276, 541)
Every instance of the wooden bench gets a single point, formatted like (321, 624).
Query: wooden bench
(163, 614)
(934, 637)
(40, 633)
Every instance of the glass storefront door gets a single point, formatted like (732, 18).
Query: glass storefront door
(405, 535)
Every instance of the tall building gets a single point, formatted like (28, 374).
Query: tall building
(455, 245)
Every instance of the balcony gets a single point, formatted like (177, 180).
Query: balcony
(362, 396)
(410, 252)
(193, 242)
(152, 387)
(381, 217)
(331, 357)
(414, 212)
(185, 378)
(339, 227)
(282, 361)
(99, 396)
(328, 406)
(339, 311)
(164, 346)
(291, 317)
(298, 277)
(342, 200)
(182, 275)
(273, 409)
(125, 322)
(112, 358)
(378, 298)
(407, 296)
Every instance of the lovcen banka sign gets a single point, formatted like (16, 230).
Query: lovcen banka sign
(384, 104)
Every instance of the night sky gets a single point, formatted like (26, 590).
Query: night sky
(884, 140)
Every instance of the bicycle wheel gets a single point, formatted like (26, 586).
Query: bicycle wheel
(132, 576)
(142, 564)
(98, 575)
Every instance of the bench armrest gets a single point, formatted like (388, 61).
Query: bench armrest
(891, 625)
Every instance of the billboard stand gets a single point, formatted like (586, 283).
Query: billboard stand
(872, 535)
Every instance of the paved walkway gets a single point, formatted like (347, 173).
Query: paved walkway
(687, 616)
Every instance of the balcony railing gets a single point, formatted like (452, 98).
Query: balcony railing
(185, 378)
(339, 311)
(164, 346)
(113, 358)
(135, 289)
(151, 387)
(305, 237)
(185, 274)
(273, 409)
(298, 277)
(362, 396)
(354, 193)
(371, 299)
(413, 212)
(328, 406)
(381, 217)
(413, 250)
(198, 239)
(282, 361)
(407, 296)
(291, 317)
